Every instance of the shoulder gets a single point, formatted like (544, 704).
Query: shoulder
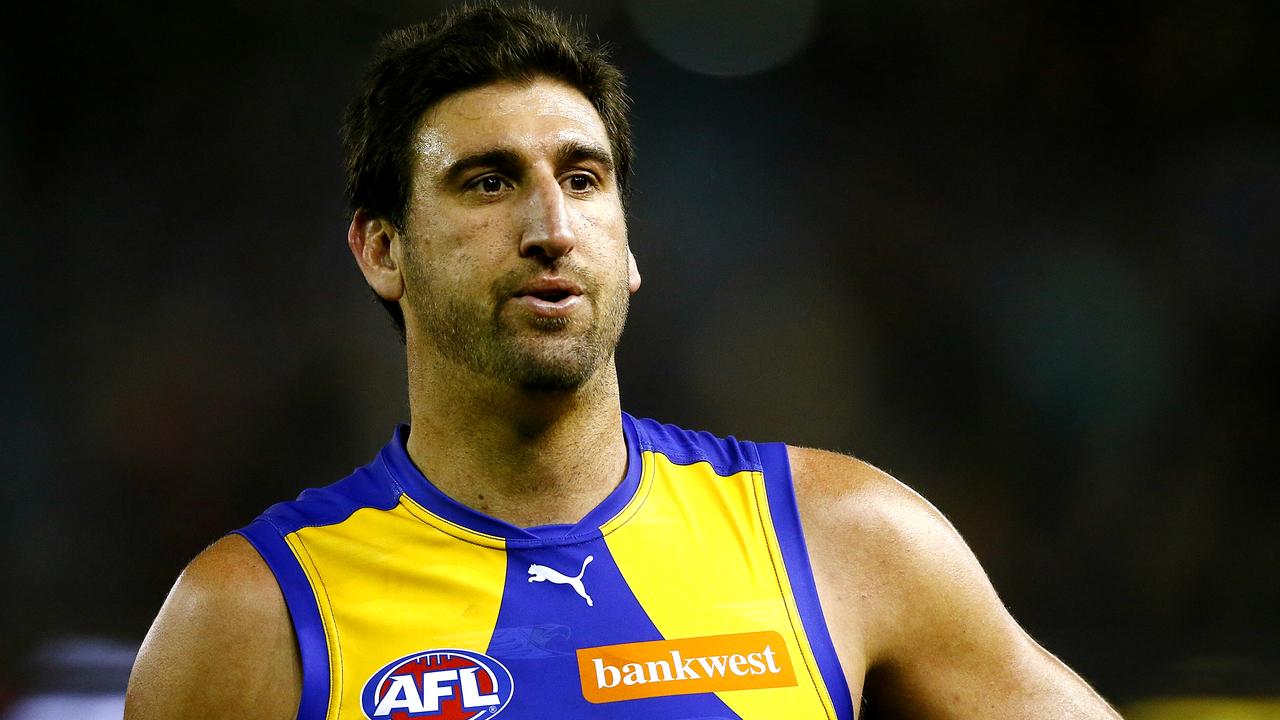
(229, 577)
(839, 492)
(222, 644)
(906, 598)
(879, 543)
(827, 477)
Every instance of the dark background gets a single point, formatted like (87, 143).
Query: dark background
(1022, 255)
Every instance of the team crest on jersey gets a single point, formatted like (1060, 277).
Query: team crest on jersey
(447, 684)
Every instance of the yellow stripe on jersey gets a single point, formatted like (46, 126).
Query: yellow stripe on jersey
(706, 541)
(376, 572)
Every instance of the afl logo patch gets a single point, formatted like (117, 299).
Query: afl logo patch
(447, 684)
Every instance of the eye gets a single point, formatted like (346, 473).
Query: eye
(490, 184)
(580, 182)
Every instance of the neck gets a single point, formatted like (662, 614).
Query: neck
(526, 457)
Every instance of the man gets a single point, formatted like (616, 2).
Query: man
(526, 548)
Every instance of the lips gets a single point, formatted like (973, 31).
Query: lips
(549, 297)
(549, 289)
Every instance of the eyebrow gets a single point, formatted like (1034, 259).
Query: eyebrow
(508, 160)
(504, 159)
(575, 151)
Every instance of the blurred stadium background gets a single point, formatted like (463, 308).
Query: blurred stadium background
(1025, 256)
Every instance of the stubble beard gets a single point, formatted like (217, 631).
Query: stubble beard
(545, 355)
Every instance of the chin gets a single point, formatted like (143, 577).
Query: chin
(550, 385)
(556, 362)
(555, 376)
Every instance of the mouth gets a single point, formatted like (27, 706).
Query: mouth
(549, 297)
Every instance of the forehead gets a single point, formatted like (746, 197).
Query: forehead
(532, 118)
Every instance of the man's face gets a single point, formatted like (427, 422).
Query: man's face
(515, 257)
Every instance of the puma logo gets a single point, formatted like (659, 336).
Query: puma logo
(542, 573)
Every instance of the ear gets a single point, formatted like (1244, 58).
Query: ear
(372, 240)
(633, 273)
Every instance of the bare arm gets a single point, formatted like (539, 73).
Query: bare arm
(222, 645)
(914, 609)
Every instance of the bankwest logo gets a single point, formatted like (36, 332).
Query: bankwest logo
(744, 661)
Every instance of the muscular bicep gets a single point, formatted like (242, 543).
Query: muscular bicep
(222, 645)
(933, 635)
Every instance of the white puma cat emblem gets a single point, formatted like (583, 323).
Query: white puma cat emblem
(542, 573)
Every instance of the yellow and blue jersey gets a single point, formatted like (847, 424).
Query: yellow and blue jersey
(685, 595)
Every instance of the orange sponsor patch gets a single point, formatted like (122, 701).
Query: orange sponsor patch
(744, 661)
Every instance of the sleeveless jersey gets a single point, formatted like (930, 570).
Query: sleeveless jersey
(685, 595)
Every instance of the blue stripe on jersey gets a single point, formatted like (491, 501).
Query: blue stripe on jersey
(685, 447)
(370, 486)
(301, 601)
(541, 624)
(786, 521)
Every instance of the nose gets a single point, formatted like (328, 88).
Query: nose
(548, 228)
